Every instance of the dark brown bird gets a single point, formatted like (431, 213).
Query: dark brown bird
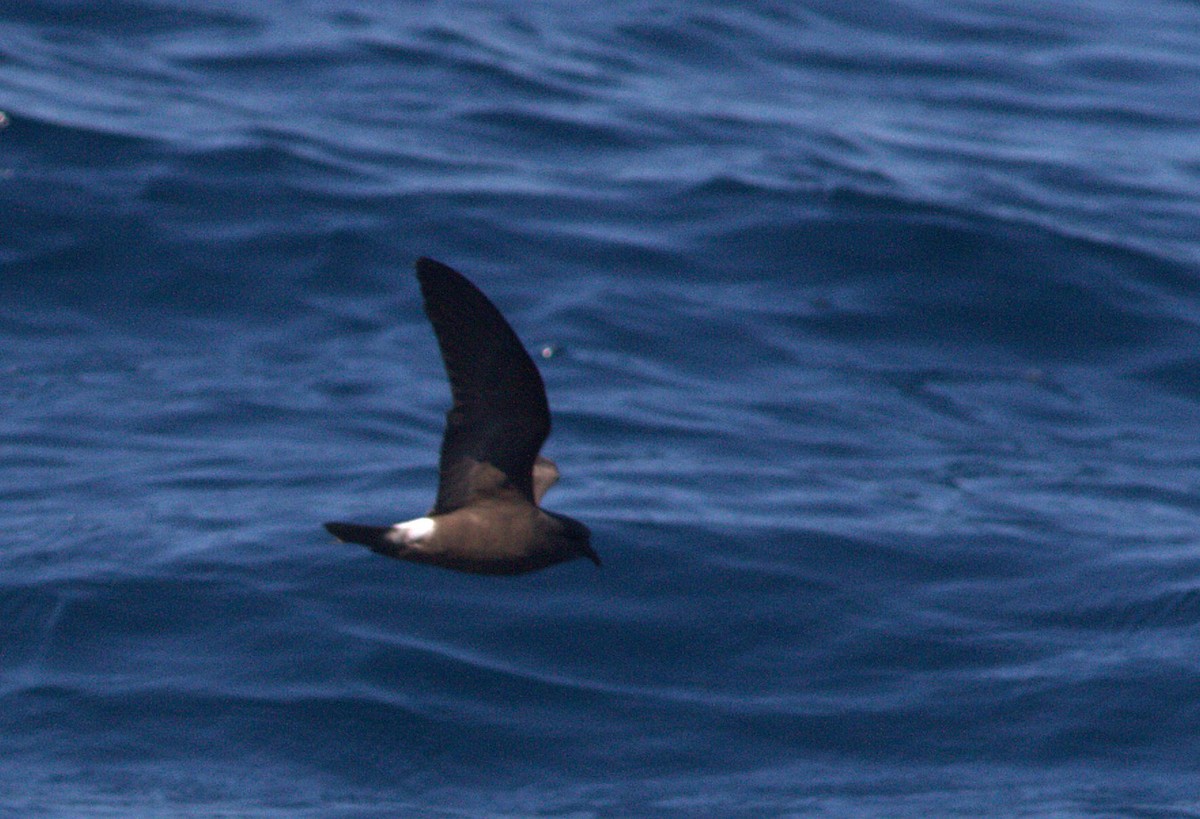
(491, 479)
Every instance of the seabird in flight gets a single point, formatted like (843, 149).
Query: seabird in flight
(487, 518)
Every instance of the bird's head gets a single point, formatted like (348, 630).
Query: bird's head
(574, 537)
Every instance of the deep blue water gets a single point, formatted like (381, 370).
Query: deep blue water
(875, 334)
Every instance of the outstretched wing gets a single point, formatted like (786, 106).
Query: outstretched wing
(500, 415)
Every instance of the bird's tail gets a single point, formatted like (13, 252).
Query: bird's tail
(373, 537)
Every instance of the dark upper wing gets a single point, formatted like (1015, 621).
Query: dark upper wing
(500, 415)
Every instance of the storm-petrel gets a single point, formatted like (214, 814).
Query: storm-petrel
(491, 479)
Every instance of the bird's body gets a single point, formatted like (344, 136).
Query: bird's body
(487, 518)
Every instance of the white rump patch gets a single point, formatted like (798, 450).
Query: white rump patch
(416, 531)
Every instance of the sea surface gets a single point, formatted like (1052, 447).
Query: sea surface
(872, 336)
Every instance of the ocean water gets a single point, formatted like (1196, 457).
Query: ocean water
(872, 337)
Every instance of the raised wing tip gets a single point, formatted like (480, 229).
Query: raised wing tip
(444, 288)
(432, 267)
